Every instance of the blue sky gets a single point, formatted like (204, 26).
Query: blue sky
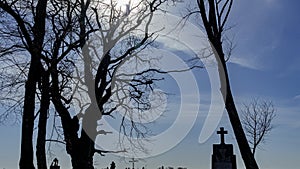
(265, 64)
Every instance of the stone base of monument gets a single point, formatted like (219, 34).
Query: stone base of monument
(223, 157)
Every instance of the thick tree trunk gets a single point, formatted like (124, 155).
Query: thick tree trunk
(26, 158)
(82, 156)
(242, 141)
(35, 48)
(86, 147)
(81, 150)
(245, 150)
(214, 22)
(41, 138)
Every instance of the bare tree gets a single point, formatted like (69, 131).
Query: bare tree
(29, 49)
(50, 62)
(44, 87)
(29, 36)
(257, 121)
(115, 44)
(214, 15)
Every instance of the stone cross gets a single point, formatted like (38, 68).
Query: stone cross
(222, 132)
(133, 161)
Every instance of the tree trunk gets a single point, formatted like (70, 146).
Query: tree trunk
(82, 156)
(35, 48)
(81, 150)
(26, 158)
(244, 147)
(86, 144)
(245, 150)
(214, 26)
(44, 107)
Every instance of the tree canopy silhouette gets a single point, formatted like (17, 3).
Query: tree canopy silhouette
(52, 36)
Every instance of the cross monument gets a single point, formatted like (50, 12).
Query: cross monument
(223, 156)
(133, 161)
(222, 132)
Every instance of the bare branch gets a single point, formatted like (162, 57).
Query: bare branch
(257, 121)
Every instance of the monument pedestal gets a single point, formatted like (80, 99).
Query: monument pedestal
(223, 157)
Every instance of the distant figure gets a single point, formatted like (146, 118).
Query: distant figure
(54, 164)
(112, 165)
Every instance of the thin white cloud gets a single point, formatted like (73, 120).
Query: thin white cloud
(297, 97)
(247, 63)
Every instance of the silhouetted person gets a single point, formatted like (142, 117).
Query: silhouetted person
(112, 165)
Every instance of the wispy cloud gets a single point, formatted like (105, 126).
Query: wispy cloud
(297, 97)
(245, 62)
